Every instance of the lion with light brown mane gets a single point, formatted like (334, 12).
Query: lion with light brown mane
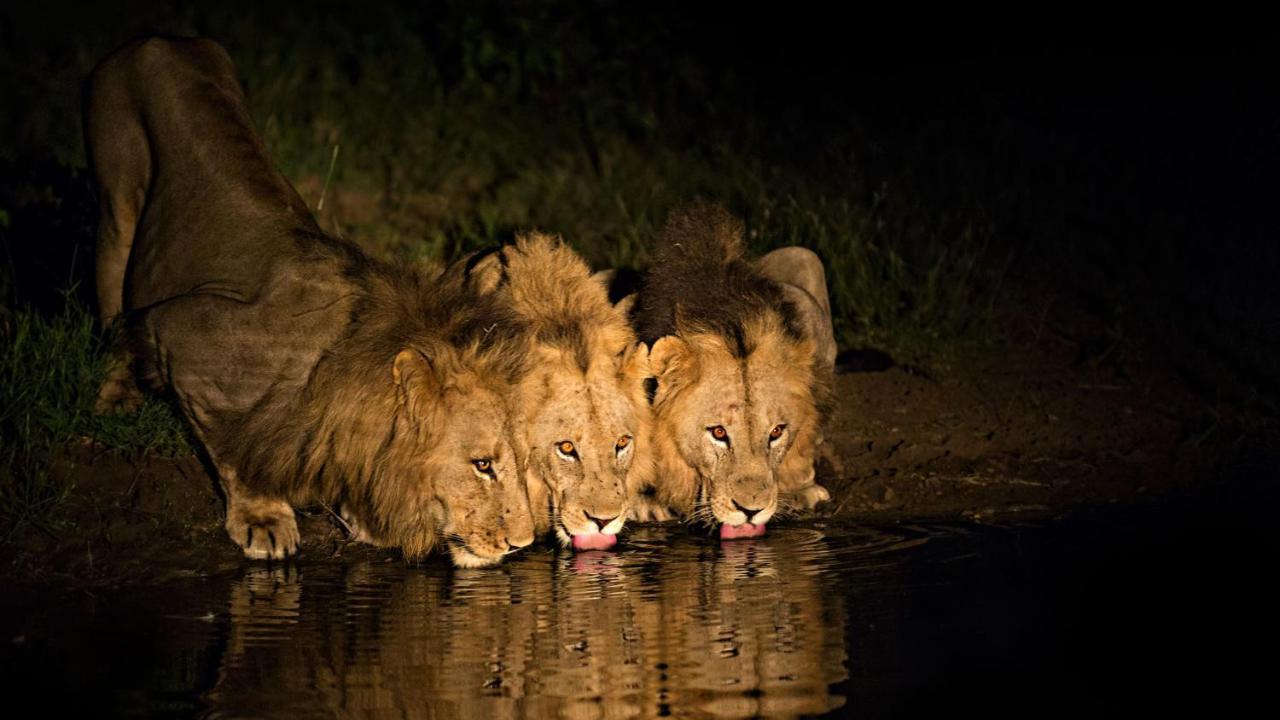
(583, 423)
(309, 372)
(743, 363)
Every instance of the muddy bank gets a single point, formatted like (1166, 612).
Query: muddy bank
(1064, 415)
(1034, 429)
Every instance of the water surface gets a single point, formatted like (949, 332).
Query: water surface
(810, 620)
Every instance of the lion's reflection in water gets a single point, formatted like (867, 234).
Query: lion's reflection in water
(744, 628)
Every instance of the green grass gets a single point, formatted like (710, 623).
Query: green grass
(900, 279)
(50, 370)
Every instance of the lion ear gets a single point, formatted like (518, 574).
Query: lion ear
(621, 284)
(415, 380)
(624, 305)
(604, 277)
(672, 363)
(635, 362)
(486, 270)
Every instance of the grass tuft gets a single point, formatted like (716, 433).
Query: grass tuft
(50, 370)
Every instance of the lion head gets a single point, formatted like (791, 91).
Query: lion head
(583, 413)
(455, 426)
(581, 435)
(726, 415)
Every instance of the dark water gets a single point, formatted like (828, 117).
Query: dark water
(1109, 613)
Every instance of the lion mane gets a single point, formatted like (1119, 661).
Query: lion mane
(349, 438)
(586, 388)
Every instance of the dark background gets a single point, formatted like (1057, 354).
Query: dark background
(1126, 160)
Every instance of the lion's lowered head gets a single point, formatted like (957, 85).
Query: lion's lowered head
(583, 425)
(406, 424)
(727, 412)
(454, 424)
(737, 384)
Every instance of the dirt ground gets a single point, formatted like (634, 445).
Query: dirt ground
(1052, 421)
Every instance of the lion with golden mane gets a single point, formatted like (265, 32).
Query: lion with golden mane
(309, 372)
(583, 424)
(743, 363)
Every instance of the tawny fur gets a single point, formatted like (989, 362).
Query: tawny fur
(730, 350)
(309, 372)
(586, 385)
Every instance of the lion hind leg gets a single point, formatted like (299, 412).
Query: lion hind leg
(803, 279)
(119, 392)
(121, 163)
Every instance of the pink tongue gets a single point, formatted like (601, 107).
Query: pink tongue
(729, 532)
(594, 541)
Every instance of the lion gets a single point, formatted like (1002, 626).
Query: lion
(308, 372)
(743, 365)
(583, 428)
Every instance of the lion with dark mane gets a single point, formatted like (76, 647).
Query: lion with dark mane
(743, 363)
(309, 372)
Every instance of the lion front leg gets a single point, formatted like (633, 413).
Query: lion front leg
(354, 526)
(646, 508)
(808, 497)
(264, 527)
(796, 482)
(539, 505)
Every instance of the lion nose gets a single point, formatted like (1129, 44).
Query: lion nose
(602, 522)
(749, 512)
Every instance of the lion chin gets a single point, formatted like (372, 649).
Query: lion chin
(464, 558)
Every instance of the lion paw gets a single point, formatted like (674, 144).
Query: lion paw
(355, 530)
(808, 497)
(119, 393)
(265, 529)
(646, 510)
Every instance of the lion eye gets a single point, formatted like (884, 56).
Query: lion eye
(776, 432)
(483, 466)
(623, 442)
(566, 448)
(719, 433)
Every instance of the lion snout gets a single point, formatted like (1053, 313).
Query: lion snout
(752, 500)
(601, 518)
(515, 541)
(489, 549)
